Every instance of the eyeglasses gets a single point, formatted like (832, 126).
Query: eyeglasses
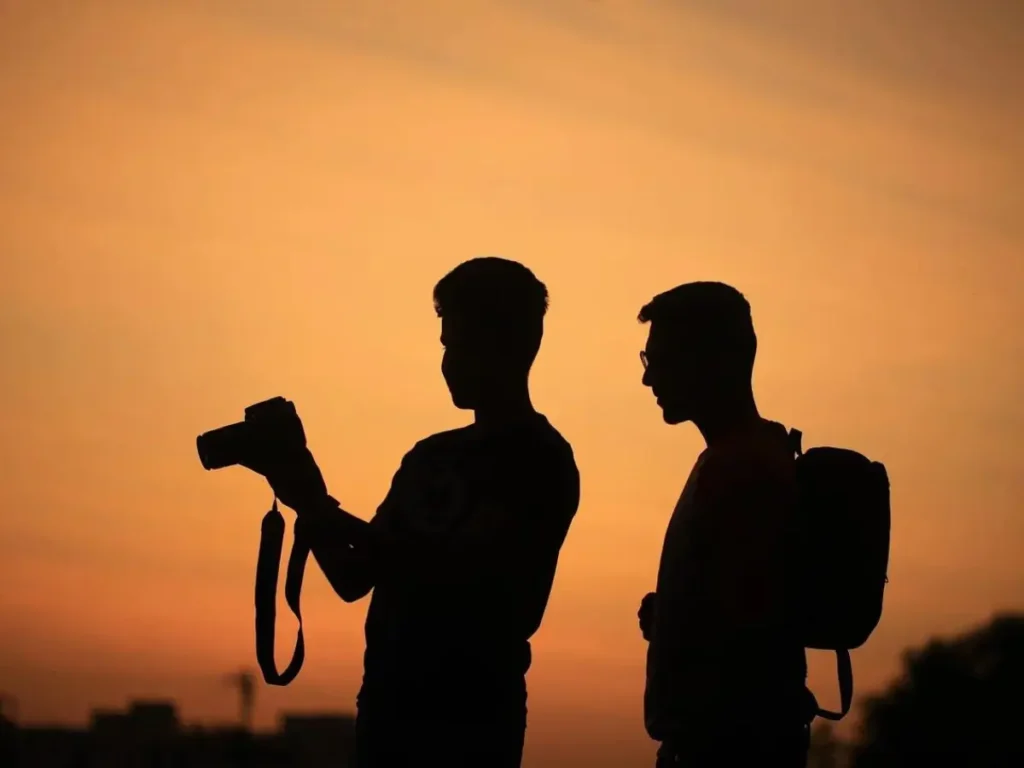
(643, 359)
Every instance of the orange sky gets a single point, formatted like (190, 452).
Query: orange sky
(206, 203)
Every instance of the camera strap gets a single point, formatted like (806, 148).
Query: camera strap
(268, 566)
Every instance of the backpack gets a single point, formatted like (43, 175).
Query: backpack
(840, 554)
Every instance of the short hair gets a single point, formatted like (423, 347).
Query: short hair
(499, 296)
(714, 315)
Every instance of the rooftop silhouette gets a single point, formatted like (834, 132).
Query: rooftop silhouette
(150, 734)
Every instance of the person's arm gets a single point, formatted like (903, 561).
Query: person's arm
(744, 504)
(348, 549)
(517, 549)
(342, 545)
(729, 597)
(536, 533)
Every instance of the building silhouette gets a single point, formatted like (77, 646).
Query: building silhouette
(149, 734)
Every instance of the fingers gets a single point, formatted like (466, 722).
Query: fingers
(646, 614)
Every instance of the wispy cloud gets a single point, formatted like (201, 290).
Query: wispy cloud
(973, 52)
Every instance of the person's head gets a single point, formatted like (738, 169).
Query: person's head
(700, 349)
(492, 320)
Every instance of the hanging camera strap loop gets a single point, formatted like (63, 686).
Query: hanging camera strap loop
(268, 566)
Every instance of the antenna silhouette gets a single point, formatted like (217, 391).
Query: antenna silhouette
(245, 682)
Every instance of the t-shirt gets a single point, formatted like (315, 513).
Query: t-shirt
(719, 648)
(469, 537)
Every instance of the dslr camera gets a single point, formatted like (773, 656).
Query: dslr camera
(270, 431)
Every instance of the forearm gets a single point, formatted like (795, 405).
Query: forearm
(323, 513)
(341, 544)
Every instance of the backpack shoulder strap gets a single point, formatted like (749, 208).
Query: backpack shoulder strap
(795, 441)
(845, 668)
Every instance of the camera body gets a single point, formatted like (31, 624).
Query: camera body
(271, 429)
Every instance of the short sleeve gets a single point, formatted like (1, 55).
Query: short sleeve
(387, 510)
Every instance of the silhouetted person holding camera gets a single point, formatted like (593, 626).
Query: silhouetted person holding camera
(461, 554)
(725, 677)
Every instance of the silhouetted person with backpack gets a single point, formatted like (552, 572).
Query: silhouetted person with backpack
(461, 554)
(725, 674)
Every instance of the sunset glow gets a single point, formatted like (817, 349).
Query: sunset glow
(205, 204)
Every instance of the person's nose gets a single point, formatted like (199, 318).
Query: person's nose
(646, 379)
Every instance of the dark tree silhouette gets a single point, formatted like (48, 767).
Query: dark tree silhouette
(826, 750)
(958, 700)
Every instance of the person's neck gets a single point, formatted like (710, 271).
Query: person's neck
(506, 407)
(728, 417)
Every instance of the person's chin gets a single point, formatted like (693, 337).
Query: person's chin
(672, 415)
(462, 403)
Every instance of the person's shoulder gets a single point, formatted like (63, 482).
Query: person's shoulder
(550, 433)
(553, 445)
(439, 442)
(758, 457)
(554, 473)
